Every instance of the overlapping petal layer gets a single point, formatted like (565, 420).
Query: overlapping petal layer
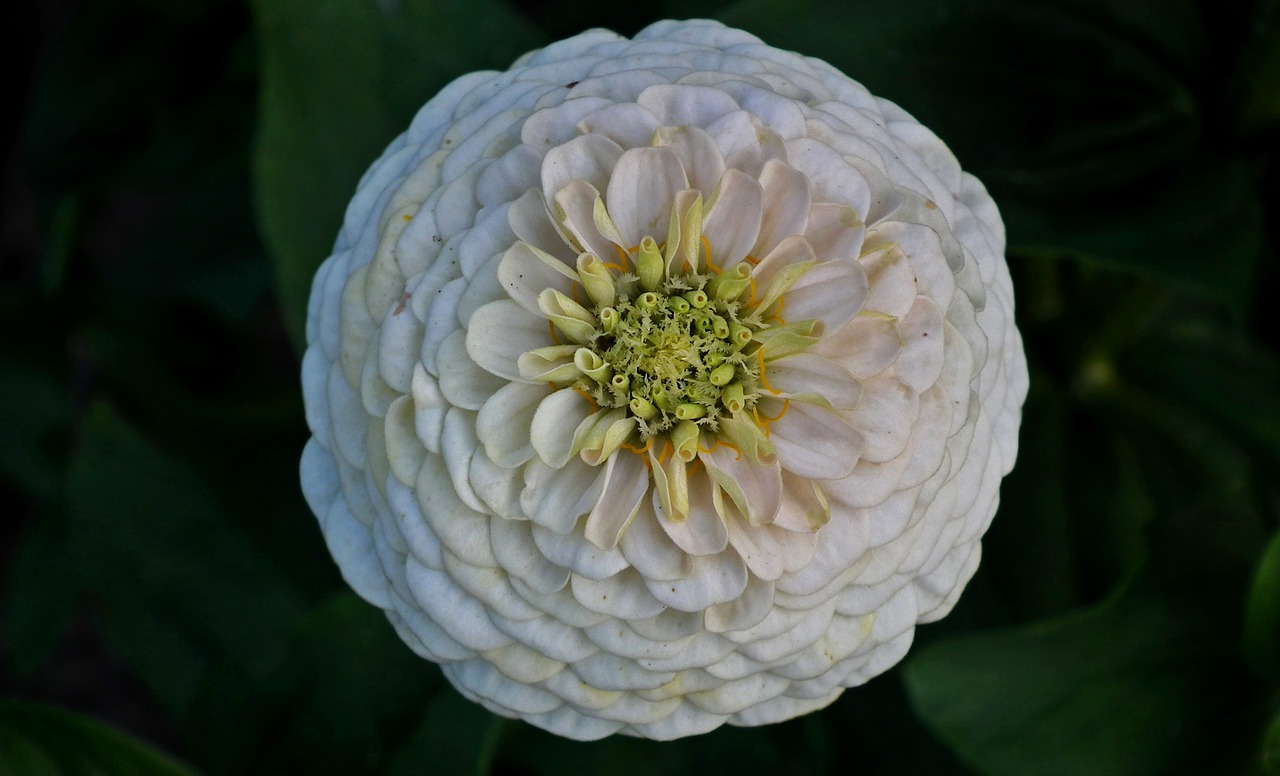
(661, 383)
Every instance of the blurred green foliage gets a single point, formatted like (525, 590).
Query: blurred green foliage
(183, 169)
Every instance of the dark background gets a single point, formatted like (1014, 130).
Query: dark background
(179, 170)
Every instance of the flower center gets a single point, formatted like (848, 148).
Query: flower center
(676, 353)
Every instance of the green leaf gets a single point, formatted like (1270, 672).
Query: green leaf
(38, 740)
(1203, 230)
(1011, 86)
(1115, 691)
(1220, 373)
(39, 604)
(178, 587)
(36, 410)
(455, 736)
(342, 78)
(1269, 757)
(342, 699)
(1262, 617)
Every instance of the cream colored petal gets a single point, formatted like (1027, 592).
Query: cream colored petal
(732, 220)
(715, 579)
(526, 271)
(678, 104)
(554, 432)
(702, 532)
(834, 231)
(804, 508)
(832, 292)
(702, 162)
(531, 223)
(815, 443)
(885, 417)
(754, 487)
(463, 382)
(786, 205)
(500, 332)
(557, 498)
(807, 374)
(744, 611)
(644, 184)
(626, 482)
(625, 123)
(921, 360)
(504, 422)
(622, 595)
(587, 158)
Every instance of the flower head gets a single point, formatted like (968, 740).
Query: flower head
(661, 383)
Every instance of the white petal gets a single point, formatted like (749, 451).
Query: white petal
(681, 104)
(531, 223)
(702, 162)
(640, 193)
(732, 222)
(866, 346)
(804, 507)
(755, 487)
(462, 381)
(744, 611)
(513, 547)
(575, 208)
(831, 177)
(500, 332)
(920, 363)
(578, 555)
(555, 422)
(786, 205)
(885, 417)
(351, 545)
(891, 284)
(805, 373)
(462, 616)
(815, 443)
(503, 424)
(832, 292)
(622, 595)
(588, 158)
(526, 271)
(714, 580)
(746, 143)
(701, 533)
(648, 549)
(932, 274)
(626, 482)
(556, 498)
(834, 231)
(625, 123)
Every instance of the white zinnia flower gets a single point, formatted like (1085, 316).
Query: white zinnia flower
(661, 383)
